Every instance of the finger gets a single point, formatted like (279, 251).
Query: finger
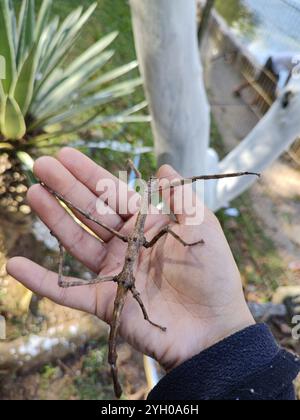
(77, 241)
(59, 179)
(182, 200)
(126, 199)
(45, 283)
(74, 161)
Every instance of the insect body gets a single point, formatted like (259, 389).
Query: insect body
(126, 279)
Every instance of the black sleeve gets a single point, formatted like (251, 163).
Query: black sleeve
(247, 366)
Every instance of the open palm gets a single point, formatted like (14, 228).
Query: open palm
(195, 292)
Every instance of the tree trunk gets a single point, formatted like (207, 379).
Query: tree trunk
(205, 19)
(167, 48)
(273, 135)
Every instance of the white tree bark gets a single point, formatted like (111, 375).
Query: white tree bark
(273, 135)
(166, 43)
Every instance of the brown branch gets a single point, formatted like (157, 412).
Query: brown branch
(133, 168)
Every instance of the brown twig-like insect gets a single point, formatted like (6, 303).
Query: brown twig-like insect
(135, 242)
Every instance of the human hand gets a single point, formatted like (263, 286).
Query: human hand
(195, 292)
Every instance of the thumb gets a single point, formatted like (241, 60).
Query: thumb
(184, 201)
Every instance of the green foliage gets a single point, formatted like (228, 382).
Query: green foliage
(93, 382)
(236, 15)
(48, 372)
(45, 94)
(111, 16)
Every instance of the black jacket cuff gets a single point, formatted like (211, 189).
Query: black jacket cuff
(248, 365)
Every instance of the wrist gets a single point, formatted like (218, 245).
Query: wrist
(208, 336)
(229, 327)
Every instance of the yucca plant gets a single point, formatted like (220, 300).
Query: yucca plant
(43, 95)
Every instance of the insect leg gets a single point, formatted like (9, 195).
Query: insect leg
(137, 297)
(167, 230)
(85, 214)
(67, 284)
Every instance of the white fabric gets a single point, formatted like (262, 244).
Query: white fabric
(285, 62)
(283, 65)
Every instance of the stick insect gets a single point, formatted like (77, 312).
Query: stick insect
(135, 242)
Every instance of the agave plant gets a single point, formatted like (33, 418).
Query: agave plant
(43, 95)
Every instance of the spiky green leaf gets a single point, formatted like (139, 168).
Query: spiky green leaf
(65, 90)
(65, 39)
(6, 146)
(2, 97)
(90, 54)
(13, 124)
(2, 103)
(40, 85)
(26, 30)
(7, 45)
(43, 18)
(23, 91)
(136, 108)
(47, 36)
(105, 96)
(108, 77)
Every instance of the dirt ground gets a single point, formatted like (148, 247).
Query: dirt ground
(82, 376)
